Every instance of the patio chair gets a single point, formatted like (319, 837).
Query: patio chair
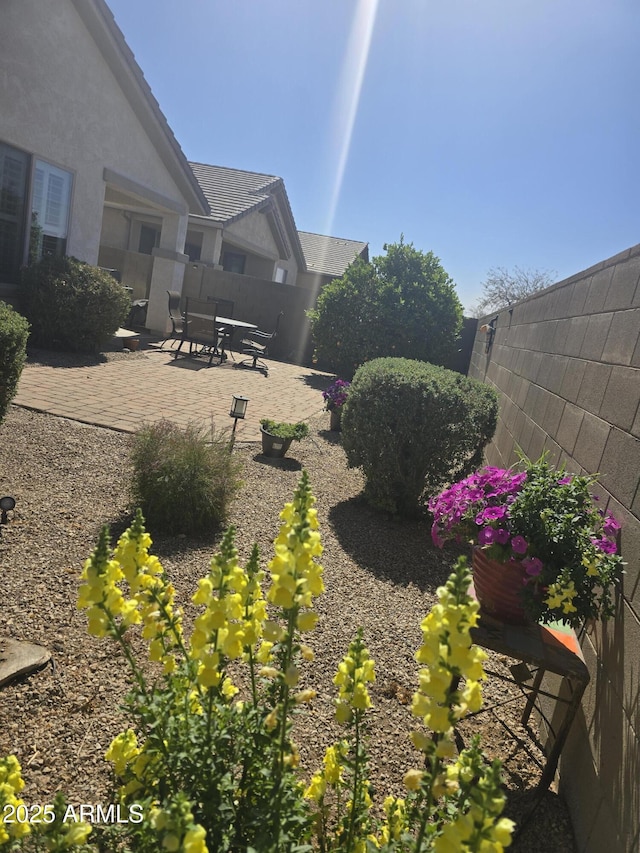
(201, 330)
(178, 320)
(226, 308)
(256, 346)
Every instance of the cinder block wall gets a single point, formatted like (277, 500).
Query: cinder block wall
(567, 365)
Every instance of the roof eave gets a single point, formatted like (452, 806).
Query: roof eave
(99, 20)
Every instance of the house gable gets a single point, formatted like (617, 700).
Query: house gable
(254, 208)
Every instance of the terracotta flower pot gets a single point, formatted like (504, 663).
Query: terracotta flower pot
(498, 588)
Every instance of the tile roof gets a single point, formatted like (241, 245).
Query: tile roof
(330, 255)
(232, 193)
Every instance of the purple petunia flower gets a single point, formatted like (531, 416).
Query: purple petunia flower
(605, 545)
(486, 536)
(610, 526)
(502, 536)
(532, 566)
(493, 513)
(565, 480)
(519, 545)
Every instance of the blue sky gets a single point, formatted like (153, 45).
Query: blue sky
(491, 132)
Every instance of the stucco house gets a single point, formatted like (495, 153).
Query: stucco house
(250, 231)
(86, 155)
(72, 95)
(247, 250)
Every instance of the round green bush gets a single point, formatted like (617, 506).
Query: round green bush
(14, 331)
(184, 479)
(71, 305)
(412, 427)
(402, 304)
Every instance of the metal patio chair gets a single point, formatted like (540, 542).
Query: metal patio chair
(256, 346)
(178, 319)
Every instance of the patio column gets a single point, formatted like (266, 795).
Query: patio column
(169, 262)
(212, 247)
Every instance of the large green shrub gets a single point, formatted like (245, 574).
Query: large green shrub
(14, 331)
(411, 427)
(72, 305)
(184, 479)
(403, 304)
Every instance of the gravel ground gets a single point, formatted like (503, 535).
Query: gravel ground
(69, 480)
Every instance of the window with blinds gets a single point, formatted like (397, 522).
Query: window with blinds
(50, 206)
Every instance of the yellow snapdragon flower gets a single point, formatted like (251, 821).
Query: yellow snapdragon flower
(448, 654)
(296, 579)
(355, 671)
(11, 783)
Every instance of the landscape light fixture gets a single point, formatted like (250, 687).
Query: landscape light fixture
(7, 503)
(490, 330)
(238, 411)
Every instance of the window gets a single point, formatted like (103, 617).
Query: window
(281, 275)
(14, 170)
(149, 239)
(233, 262)
(50, 206)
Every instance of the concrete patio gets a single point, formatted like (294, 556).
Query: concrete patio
(150, 384)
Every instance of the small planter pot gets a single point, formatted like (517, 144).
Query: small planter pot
(335, 420)
(273, 445)
(498, 588)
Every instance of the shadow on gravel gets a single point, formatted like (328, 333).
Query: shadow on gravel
(543, 826)
(169, 546)
(396, 550)
(286, 464)
(331, 436)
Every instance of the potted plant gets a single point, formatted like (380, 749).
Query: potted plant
(277, 436)
(334, 399)
(543, 552)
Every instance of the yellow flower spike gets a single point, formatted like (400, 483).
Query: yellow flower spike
(263, 654)
(77, 834)
(307, 621)
(420, 740)
(307, 653)
(269, 672)
(412, 779)
(445, 747)
(343, 712)
(272, 631)
(195, 841)
(317, 788)
(304, 696)
(292, 676)
(271, 720)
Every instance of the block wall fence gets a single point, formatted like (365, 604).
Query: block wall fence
(566, 364)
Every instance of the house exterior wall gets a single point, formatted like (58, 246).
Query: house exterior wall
(255, 236)
(566, 363)
(61, 102)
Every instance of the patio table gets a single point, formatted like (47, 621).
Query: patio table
(228, 322)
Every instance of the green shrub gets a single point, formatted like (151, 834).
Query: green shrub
(402, 304)
(184, 480)
(72, 305)
(283, 429)
(411, 427)
(14, 331)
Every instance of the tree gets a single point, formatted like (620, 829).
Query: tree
(503, 287)
(401, 304)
